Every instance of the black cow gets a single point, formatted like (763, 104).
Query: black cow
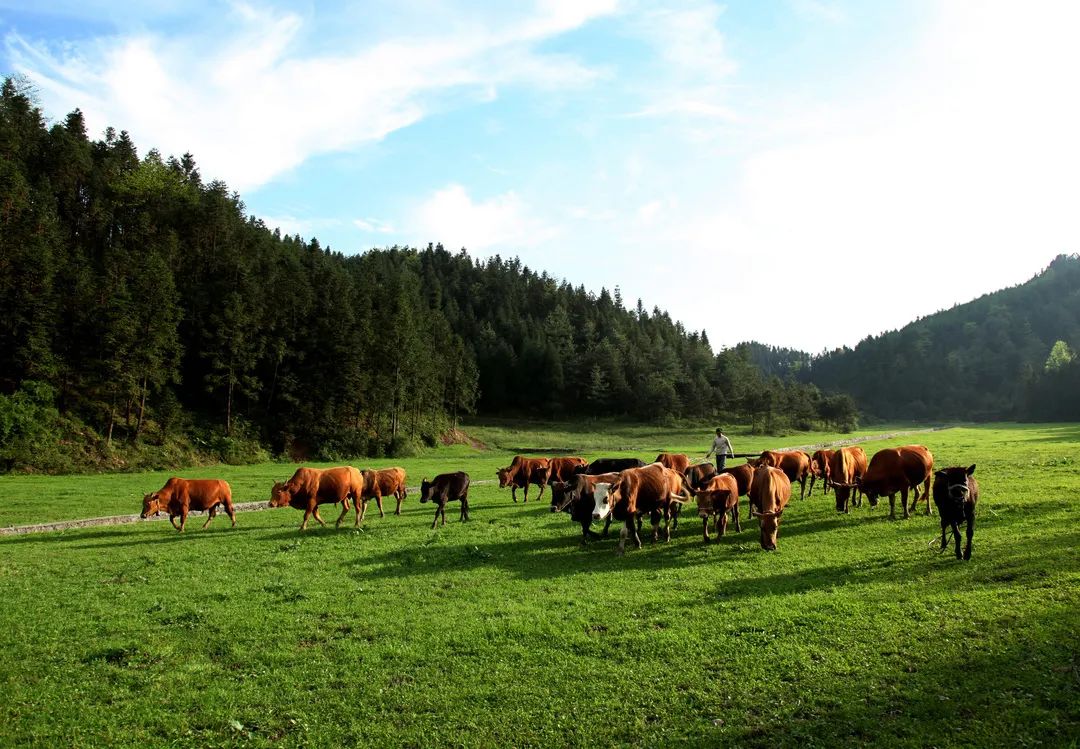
(955, 493)
(446, 487)
(611, 465)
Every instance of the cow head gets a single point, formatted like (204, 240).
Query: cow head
(561, 495)
(769, 523)
(279, 495)
(605, 497)
(957, 489)
(151, 505)
(842, 492)
(425, 490)
(504, 477)
(710, 501)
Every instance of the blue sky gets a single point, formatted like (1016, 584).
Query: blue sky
(799, 172)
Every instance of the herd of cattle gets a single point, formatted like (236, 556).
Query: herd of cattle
(628, 490)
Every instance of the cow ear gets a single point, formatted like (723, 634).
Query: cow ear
(971, 469)
(941, 473)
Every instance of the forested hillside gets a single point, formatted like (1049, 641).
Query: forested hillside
(1005, 355)
(140, 303)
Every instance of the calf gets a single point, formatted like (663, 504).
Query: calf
(446, 487)
(955, 493)
(179, 496)
(718, 497)
(385, 482)
(523, 471)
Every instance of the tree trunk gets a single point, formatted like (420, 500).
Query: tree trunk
(228, 408)
(142, 411)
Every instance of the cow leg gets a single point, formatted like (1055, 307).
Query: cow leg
(723, 521)
(926, 496)
(358, 508)
(399, 498)
(210, 516)
(944, 530)
(183, 519)
(705, 528)
(667, 524)
(903, 503)
(442, 513)
(810, 491)
(435, 520)
(892, 507)
(344, 511)
(231, 512)
(378, 502)
(172, 519)
(315, 514)
(735, 516)
(970, 532)
(464, 509)
(542, 487)
(802, 492)
(956, 536)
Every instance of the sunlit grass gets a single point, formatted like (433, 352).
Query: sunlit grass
(504, 632)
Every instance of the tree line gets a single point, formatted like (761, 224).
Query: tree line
(141, 302)
(1006, 355)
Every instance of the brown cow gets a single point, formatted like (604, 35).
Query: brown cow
(897, 469)
(819, 469)
(179, 496)
(651, 490)
(522, 472)
(385, 482)
(718, 497)
(847, 466)
(310, 487)
(674, 461)
(699, 474)
(564, 469)
(769, 495)
(794, 463)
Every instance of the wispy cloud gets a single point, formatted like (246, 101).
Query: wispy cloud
(820, 10)
(253, 101)
(373, 225)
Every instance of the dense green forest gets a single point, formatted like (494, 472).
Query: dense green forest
(148, 320)
(1006, 355)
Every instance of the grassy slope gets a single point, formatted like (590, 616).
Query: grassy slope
(504, 632)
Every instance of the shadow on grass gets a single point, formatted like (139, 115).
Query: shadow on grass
(1017, 688)
(153, 533)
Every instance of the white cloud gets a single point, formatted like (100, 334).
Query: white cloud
(954, 178)
(820, 10)
(452, 217)
(252, 101)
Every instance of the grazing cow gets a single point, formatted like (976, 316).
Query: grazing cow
(580, 496)
(769, 495)
(674, 461)
(385, 482)
(699, 474)
(310, 487)
(180, 496)
(718, 497)
(819, 469)
(522, 472)
(446, 487)
(653, 490)
(794, 463)
(956, 493)
(847, 466)
(612, 465)
(897, 469)
(564, 469)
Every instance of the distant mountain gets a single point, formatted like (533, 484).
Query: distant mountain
(983, 360)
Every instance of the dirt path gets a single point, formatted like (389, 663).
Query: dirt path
(64, 525)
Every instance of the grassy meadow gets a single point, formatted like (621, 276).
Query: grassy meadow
(505, 632)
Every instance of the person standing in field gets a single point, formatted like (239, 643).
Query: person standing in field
(721, 446)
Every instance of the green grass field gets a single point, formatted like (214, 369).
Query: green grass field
(504, 632)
